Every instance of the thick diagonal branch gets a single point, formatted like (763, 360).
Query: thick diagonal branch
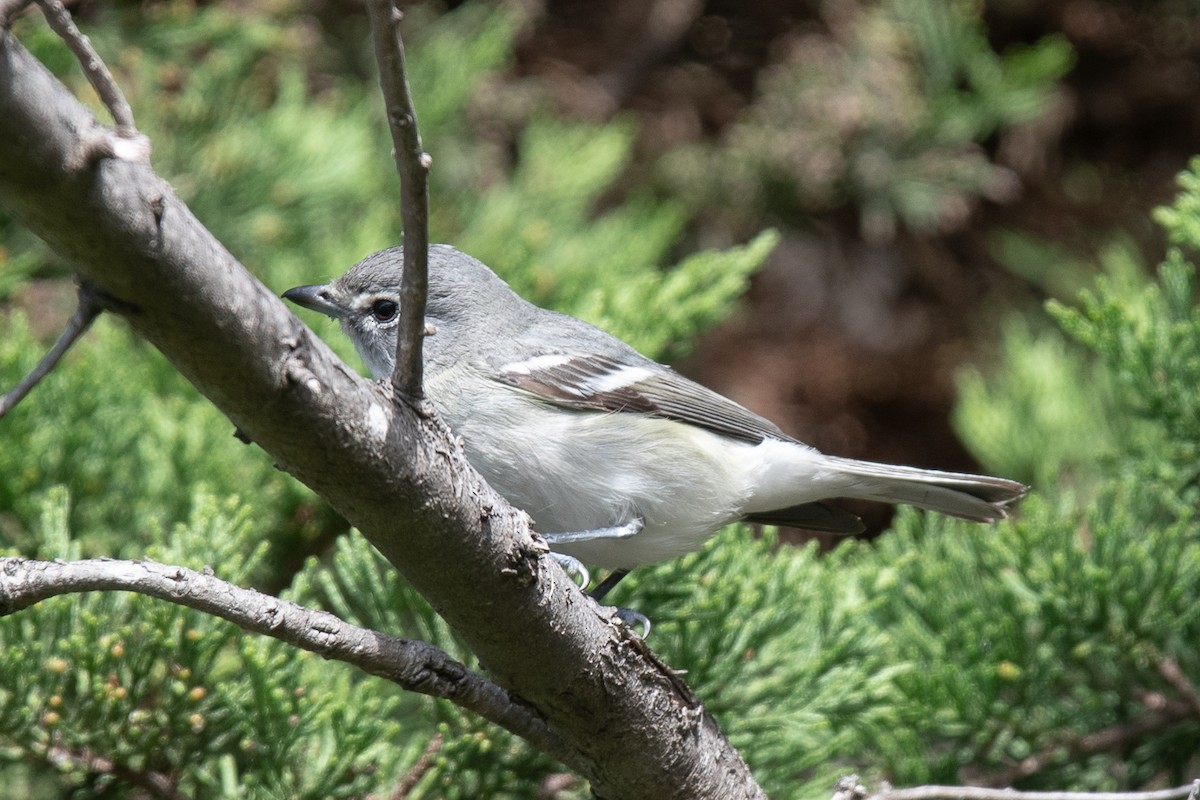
(398, 476)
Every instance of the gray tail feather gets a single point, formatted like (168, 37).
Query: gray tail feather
(975, 497)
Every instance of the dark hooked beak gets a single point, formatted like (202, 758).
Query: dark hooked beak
(317, 297)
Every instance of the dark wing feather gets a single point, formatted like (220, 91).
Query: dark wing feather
(601, 383)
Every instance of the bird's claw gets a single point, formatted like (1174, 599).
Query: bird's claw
(633, 620)
(574, 568)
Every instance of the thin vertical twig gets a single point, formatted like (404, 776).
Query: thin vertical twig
(412, 162)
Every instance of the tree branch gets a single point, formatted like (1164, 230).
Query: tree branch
(88, 308)
(398, 476)
(412, 665)
(59, 19)
(412, 162)
(153, 784)
(1075, 746)
(410, 780)
(1173, 674)
(9, 9)
(981, 793)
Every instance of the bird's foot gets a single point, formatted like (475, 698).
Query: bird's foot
(633, 621)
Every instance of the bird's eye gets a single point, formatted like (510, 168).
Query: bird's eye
(384, 310)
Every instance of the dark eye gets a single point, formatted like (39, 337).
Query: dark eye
(384, 310)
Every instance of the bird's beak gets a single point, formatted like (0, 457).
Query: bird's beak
(317, 297)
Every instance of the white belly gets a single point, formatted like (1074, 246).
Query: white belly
(573, 471)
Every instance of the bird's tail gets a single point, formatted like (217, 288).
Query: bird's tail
(959, 494)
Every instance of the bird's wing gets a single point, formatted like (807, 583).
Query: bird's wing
(591, 382)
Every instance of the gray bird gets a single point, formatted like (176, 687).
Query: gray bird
(619, 460)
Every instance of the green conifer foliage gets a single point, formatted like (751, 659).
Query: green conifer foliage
(945, 651)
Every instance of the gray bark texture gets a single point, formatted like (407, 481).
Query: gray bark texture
(397, 476)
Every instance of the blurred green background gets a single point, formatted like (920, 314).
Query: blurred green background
(952, 234)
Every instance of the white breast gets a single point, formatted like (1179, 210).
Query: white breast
(573, 471)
